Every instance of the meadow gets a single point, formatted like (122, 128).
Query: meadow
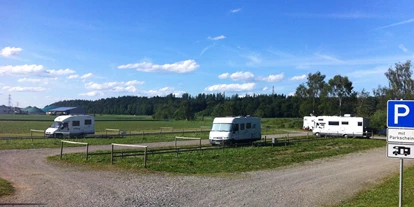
(20, 125)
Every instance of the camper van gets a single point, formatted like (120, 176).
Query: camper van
(71, 125)
(308, 122)
(235, 129)
(345, 126)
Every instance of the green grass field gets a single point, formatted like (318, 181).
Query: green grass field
(230, 160)
(6, 188)
(20, 125)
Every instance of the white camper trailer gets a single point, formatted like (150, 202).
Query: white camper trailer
(308, 122)
(71, 125)
(345, 126)
(235, 129)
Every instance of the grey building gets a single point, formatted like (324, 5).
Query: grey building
(66, 111)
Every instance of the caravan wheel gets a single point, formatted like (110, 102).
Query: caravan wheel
(345, 136)
(317, 134)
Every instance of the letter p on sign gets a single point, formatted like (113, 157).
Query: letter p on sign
(397, 114)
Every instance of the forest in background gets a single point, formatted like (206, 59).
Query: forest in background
(316, 96)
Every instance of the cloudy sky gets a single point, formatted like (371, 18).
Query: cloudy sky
(60, 50)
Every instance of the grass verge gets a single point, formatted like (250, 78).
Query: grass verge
(6, 188)
(55, 143)
(230, 160)
(387, 193)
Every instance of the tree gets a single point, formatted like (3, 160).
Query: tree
(401, 85)
(315, 85)
(340, 87)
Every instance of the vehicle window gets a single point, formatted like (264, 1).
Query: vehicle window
(334, 123)
(88, 122)
(359, 123)
(242, 126)
(248, 125)
(75, 123)
(344, 123)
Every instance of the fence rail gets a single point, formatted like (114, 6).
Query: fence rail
(129, 145)
(70, 142)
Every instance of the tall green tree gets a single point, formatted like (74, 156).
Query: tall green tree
(312, 90)
(401, 84)
(341, 88)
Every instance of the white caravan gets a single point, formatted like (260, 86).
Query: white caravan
(235, 129)
(345, 126)
(308, 122)
(71, 125)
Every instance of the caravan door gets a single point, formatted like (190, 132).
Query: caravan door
(235, 131)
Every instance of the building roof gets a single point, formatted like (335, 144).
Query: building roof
(63, 109)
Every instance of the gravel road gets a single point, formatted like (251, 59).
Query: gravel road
(318, 183)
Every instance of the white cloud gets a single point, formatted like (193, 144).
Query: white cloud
(21, 69)
(207, 48)
(231, 87)
(88, 75)
(265, 89)
(92, 93)
(163, 92)
(60, 72)
(291, 94)
(403, 48)
(300, 77)
(73, 76)
(114, 86)
(242, 76)
(238, 76)
(10, 51)
(24, 89)
(235, 10)
(224, 76)
(327, 57)
(380, 70)
(134, 82)
(217, 38)
(396, 24)
(29, 80)
(177, 67)
(274, 78)
(254, 59)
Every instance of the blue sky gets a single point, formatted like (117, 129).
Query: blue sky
(60, 50)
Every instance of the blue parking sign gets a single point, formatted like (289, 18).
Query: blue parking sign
(400, 114)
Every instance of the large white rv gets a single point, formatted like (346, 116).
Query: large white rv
(308, 122)
(345, 126)
(71, 125)
(235, 129)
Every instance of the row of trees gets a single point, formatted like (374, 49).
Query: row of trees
(316, 96)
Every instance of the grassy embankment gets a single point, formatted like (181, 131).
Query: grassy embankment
(387, 193)
(6, 188)
(230, 160)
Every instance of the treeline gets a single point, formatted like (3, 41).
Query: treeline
(316, 96)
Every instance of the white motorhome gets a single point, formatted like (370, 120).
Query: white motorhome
(235, 129)
(308, 122)
(71, 125)
(345, 126)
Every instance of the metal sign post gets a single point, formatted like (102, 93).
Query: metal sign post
(401, 182)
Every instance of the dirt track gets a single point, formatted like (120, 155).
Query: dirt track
(318, 183)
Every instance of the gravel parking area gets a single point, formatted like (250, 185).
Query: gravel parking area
(318, 183)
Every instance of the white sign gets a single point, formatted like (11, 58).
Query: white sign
(405, 151)
(400, 135)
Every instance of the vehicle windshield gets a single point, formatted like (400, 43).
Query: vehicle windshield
(221, 127)
(56, 124)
